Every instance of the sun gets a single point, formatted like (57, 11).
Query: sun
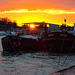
(32, 26)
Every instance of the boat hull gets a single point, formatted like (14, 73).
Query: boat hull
(52, 44)
(60, 46)
(15, 44)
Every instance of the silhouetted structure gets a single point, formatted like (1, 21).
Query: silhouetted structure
(6, 25)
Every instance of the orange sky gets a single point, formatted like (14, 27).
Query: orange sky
(51, 11)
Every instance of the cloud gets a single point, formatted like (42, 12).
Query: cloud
(48, 11)
(36, 4)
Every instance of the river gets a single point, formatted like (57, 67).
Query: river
(33, 63)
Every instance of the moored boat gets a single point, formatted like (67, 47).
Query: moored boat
(40, 40)
(60, 42)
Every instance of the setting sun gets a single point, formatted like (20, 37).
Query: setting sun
(32, 26)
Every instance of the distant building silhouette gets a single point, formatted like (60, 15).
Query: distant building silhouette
(6, 26)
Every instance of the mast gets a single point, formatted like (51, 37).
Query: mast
(45, 30)
(63, 26)
(65, 22)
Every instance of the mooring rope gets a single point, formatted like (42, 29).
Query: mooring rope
(60, 53)
(69, 52)
(11, 43)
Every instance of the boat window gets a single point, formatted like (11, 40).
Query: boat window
(63, 35)
(50, 35)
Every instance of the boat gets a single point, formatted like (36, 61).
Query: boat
(40, 39)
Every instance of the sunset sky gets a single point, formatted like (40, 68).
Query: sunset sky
(50, 11)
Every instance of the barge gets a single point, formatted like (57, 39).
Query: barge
(36, 41)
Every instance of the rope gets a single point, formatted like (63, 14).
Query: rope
(60, 53)
(69, 52)
(11, 43)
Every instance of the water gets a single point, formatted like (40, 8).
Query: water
(33, 63)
